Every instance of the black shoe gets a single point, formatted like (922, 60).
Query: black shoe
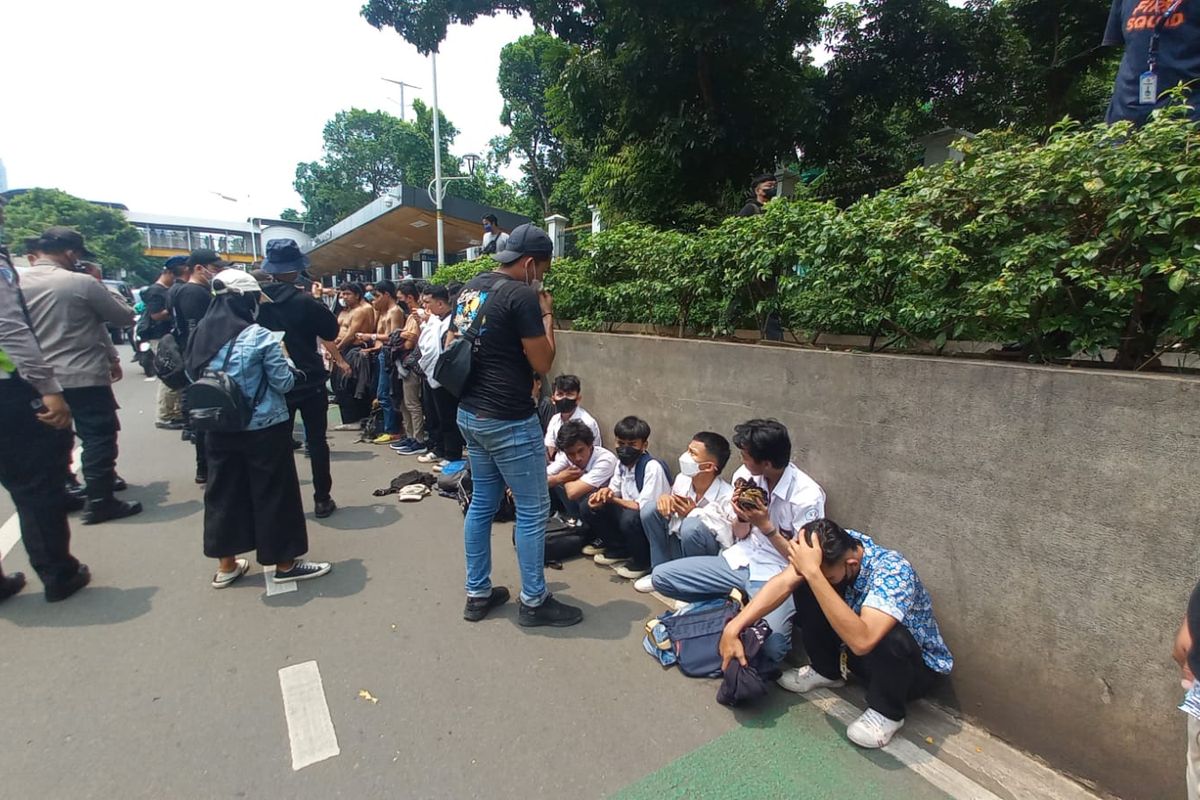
(76, 490)
(170, 425)
(324, 508)
(112, 508)
(550, 612)
(61, 591)
(297, 444)
(478, 607)
(201, 476)
(119, 484)
(11, 584)
(74, 503)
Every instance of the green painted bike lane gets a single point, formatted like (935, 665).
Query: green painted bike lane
(790, 749)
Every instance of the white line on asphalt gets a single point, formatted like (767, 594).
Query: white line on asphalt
(929, 767)
(310, 729)
(274, 588)
(148, 380)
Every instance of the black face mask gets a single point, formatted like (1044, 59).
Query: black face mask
(628, 455)
(565, 404)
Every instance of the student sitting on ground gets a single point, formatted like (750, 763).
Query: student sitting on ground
(850, 591)
(566, 397)
(580, 468)
(614, 513)
(695, 518)
(762, 530)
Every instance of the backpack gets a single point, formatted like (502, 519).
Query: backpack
(373, 426)
(214, 402)
(689, 636)
(453, 367)
(562, 543)
(639, 471)
(168, 363)
(507, 512)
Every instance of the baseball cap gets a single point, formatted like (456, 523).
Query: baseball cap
(206, 258)
(68, 238)
(525, 240)
(234, 281)
(283, 255)
(175, 261)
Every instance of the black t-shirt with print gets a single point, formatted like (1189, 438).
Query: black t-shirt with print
(189, 304)
(501, 382)
(154, 297)
(1131, 24)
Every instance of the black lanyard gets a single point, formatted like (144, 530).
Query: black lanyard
(1158, 28)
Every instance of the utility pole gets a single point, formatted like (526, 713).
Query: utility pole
(437, 170)
(401, 84)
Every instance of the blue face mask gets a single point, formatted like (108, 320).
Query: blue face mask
(487, 228)
(369, 296)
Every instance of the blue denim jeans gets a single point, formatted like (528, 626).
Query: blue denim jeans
(707, 577)
(383, 393)
(506, 452)
(694, 538)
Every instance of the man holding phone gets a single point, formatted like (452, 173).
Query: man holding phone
(35, 441)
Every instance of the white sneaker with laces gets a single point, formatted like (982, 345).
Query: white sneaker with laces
(644, 584)
(428, 458)
(873, 730)
(629, 573)
(803, 680)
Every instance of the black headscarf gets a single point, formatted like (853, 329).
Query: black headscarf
(228, 315)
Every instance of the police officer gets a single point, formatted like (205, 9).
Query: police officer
(35, 439)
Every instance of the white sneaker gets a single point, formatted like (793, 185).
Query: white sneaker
(605, 560)
(873, 730)
(629, 573)
(803, 680)
(428, 458)
(644, 584)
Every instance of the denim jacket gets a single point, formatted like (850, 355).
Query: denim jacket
(258, 355)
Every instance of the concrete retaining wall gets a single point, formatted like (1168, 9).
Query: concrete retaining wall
(1052, 513)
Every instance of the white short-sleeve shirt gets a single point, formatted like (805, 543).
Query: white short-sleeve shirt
(600, 467)
(796, 501)
(654, 484)
(717, 495)
(556, 423)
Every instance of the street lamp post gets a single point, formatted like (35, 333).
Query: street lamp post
(402, 86)
(437, 170)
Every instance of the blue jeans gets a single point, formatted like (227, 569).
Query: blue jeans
(706, 577)
(383, 393)
(506, 452)
(694, 538)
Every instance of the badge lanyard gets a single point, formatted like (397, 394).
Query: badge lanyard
(1148, 83)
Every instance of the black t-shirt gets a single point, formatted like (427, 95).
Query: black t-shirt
(751, 209)
(1131, 24)
(154, 297)
(303, 319)
(501, 382)
(189, 304)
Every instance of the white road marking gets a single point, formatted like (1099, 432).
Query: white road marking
(925, 764)
(10, 531)
(149, 380)
(310, 729)
(274, 588)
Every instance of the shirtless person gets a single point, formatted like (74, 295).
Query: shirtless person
(356, 317)
(389, 317)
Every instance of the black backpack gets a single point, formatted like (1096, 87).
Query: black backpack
(215, 403)
(461, 480)
(168, 363)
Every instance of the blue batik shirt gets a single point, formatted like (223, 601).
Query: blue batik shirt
(888, 583)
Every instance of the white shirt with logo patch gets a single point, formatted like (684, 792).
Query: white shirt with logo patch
(796, 501)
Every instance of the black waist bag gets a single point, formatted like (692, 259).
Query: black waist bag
(215, 403)
(453, 367)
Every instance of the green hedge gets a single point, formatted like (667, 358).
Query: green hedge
(1090, 240)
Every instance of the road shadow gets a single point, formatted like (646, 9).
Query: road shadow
(347, 578)
(350, 455)
(98, 605)
(360, 518)
(153, 497)
(609, 621)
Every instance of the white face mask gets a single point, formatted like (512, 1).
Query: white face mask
(534, 283)
(688, 465)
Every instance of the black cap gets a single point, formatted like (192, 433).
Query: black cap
(283, 255)
(525, 240)
(206, 258)
(761, 179)
(175, 261)
(67, 239)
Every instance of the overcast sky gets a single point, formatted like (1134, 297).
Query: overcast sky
(159, 103)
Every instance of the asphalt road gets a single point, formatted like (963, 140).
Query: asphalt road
(150, 684)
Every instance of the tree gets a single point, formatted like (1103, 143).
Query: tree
(106, 231)
(530, 68)
(668, 104)
(367, 153)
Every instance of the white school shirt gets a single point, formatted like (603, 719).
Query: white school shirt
(433, 334)
(556, 422)
(654, 484)
(600, 467)
(796, 501)
(718, 495)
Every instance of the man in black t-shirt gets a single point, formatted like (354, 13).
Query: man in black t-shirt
(155, 323)
(514, 319)
(1172, 27)
(189, 304)
(305, 321)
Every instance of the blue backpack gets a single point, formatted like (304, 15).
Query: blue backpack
(639, 471)
(689, 636)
